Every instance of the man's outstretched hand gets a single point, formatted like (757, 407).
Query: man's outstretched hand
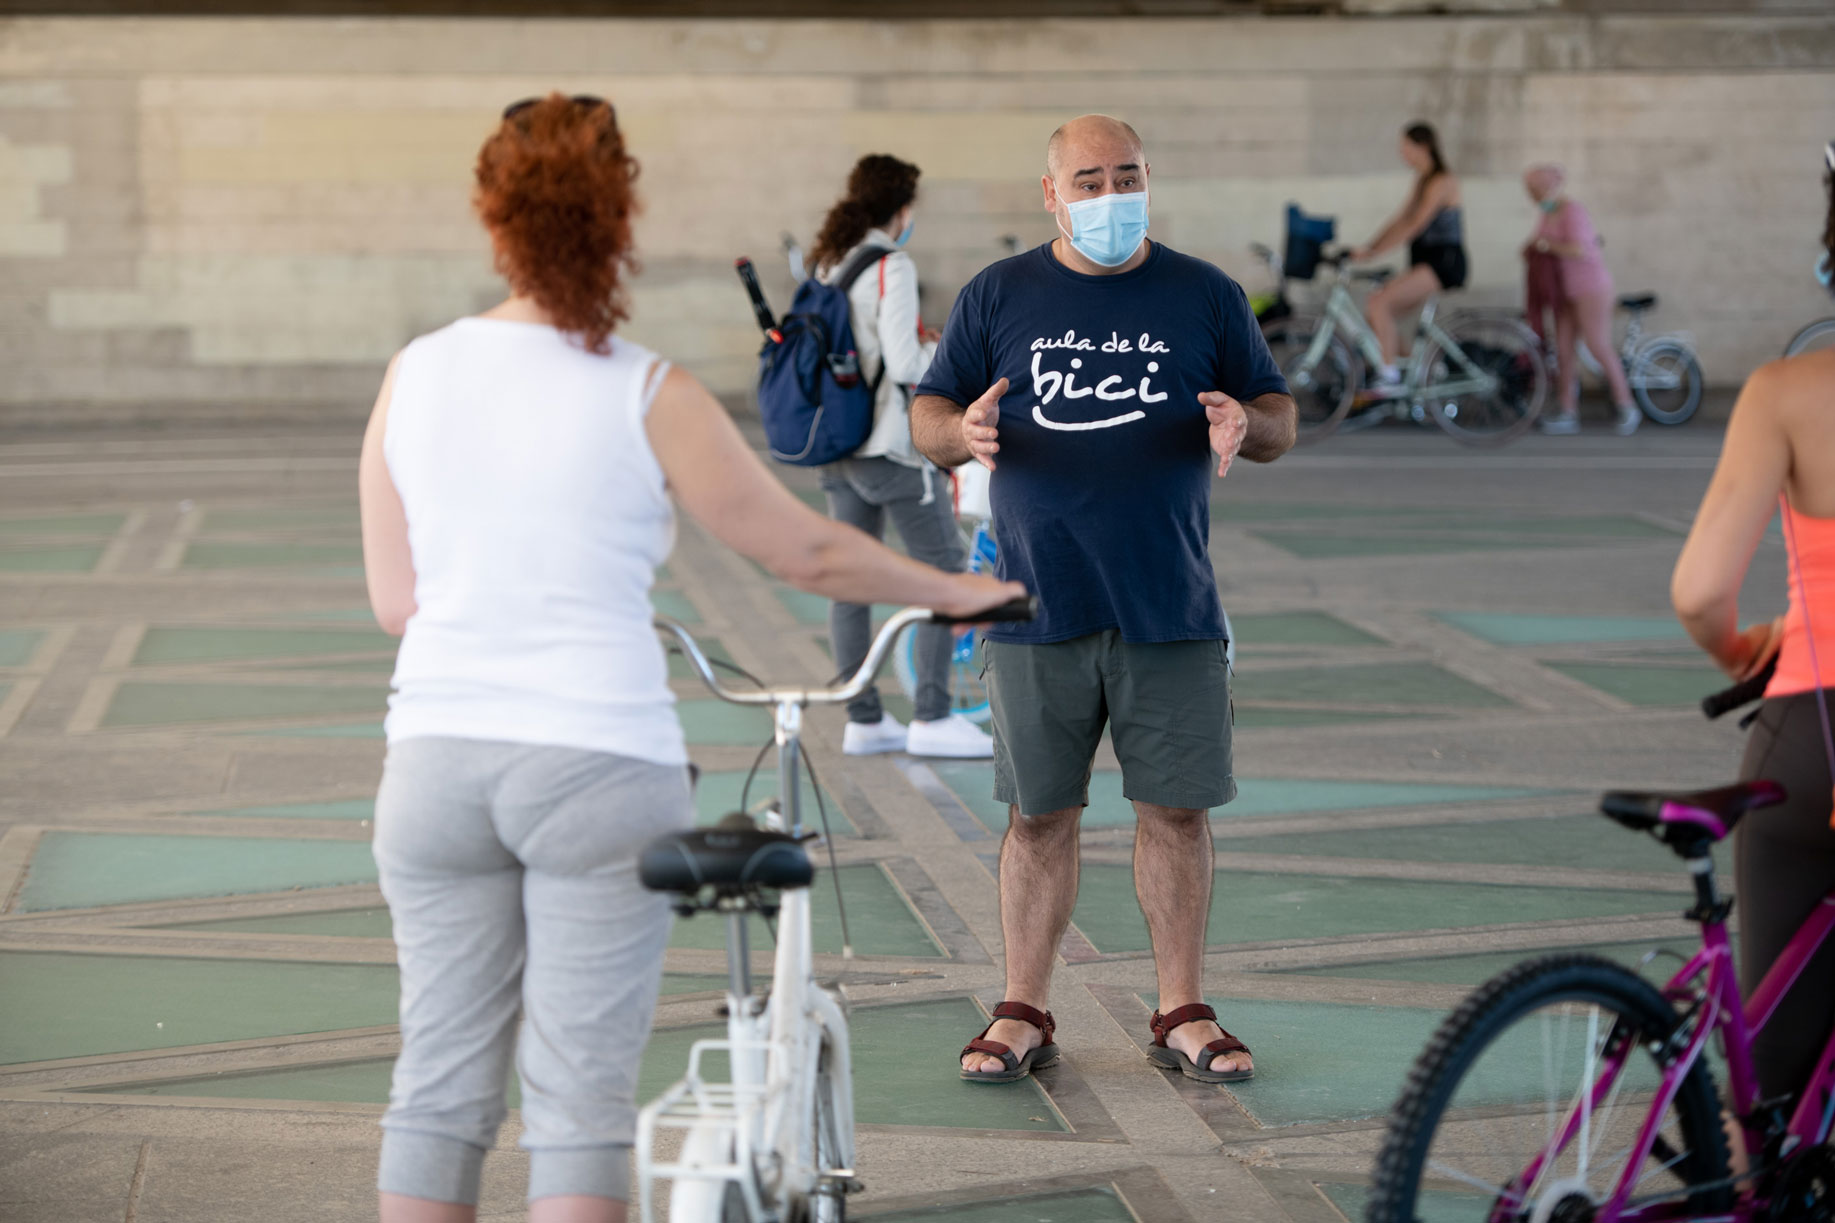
(1229, 425)
(981, 425)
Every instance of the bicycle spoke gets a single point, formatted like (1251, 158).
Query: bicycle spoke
(1454, 1174)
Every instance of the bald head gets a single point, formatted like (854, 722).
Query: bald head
(1094, 139)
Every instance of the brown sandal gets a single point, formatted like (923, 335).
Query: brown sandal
(1016, 1067)
(1163, 1055)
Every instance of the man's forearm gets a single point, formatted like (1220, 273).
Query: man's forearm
(1273, 422)
(936, 430)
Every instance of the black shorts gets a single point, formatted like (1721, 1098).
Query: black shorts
(1448, 262)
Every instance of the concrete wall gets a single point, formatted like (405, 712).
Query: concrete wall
(222, 217)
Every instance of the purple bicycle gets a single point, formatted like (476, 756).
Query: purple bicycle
(1569, 1089)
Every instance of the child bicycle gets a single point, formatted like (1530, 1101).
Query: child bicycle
(774, 1142)
(1571, 1090)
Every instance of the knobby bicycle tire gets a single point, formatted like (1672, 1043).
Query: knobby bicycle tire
(1488, 1012)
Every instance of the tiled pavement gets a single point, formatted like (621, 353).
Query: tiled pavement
(1442, 656)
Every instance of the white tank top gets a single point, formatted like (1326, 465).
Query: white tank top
(536, 518)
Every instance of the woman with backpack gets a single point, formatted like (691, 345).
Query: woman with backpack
(519, 483)
(887, 477)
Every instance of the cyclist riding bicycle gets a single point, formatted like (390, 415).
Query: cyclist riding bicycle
(1780, 444)
(516, 483)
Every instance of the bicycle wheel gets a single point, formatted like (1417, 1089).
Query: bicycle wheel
(1665, 380)
(1485, 1127)
(1819, 334)
(968, 692)
(1323, 392)
(707, 1201)
(1491, 347)
(832, 1149)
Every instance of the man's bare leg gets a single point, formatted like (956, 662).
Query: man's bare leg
(1038, 890)
(1172, 878)
(400, 1208)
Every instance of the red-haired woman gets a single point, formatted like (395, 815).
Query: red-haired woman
(516, 480)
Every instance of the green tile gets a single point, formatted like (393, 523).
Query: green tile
(878, 917)
(150, 703)
(1256, 907)
(712, 722)
(202, 554)
(675, 605)
(1431, 1206)
(896, 1050)
(347, 809)
(165, 644)
(1074, 1206)
(1296, 628)
(17, 646)
(54, 1005)
(1398, 683)
(1319, 1062)
(718, 793)
(973, 783)
(1581, 527)
(72, 870)
(382, 668)
(1646, 685)
(1231, 512)
(63, 524)
(341, 615)
(1583, 841)
(344, 730)
(1477, 969)
(50, 560)
(1500, 628)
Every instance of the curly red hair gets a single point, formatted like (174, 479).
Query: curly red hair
(555, 188)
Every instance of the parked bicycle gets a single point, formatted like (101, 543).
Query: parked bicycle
(1819, 334)
(1477, 376)
(1571, 1090)
(1663, 371)
(773, 1141)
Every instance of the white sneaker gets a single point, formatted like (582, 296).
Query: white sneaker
(1628, 419)
(954, 736)
(873, 738)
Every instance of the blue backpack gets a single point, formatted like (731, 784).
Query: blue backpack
(815, 405)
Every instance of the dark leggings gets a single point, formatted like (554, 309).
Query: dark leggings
(1784, 864)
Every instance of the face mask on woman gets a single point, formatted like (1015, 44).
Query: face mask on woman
(1108, 229)
(1825, 274)
(1549, 204)
(906, 236)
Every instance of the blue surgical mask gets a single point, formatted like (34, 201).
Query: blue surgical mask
(1108, 229)
(1825, 274)
(906, 236)
(1549, 205)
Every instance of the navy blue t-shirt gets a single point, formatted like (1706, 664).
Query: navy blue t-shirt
(1101, 489)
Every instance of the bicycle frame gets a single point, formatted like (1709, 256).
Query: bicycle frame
(1341, 311)
(773, 1045)
(1716, 1008)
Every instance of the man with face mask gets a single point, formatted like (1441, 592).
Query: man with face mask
(1099, 377)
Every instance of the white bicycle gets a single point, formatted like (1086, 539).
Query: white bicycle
(773, 1142)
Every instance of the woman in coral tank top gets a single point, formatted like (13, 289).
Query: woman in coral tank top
(1780, 442)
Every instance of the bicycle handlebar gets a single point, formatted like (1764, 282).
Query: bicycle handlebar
(1743, 693)
(1024, 608)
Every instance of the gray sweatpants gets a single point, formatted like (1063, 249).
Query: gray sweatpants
(511, 875)
(861, 493)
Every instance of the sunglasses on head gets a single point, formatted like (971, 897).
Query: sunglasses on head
(579, 99)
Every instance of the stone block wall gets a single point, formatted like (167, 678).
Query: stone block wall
(243, 218)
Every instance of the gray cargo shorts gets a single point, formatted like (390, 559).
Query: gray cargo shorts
(1167, 706)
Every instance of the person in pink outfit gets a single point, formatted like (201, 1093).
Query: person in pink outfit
(1583, 309)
